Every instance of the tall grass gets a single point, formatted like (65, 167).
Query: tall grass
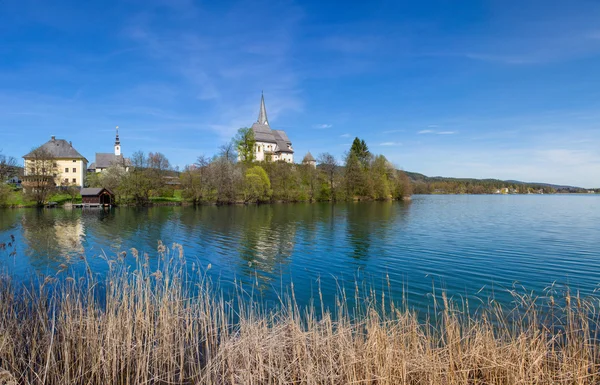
(163, 326)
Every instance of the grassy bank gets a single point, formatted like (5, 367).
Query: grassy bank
(166, 327)
(17, 199)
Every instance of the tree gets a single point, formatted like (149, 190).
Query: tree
(112, 179)
(381, 173)
(227, 151)
(355, 180)
(92, 179)
(73, 192)
(226, 178)
(157, 169)
(41, 172)
(310, 179)
(360, 149)
(4, 194)
(8, 167)
(257, 185)
(245, 144)
(194, 180)
(137, 183)
(404, 187)
(328, 164)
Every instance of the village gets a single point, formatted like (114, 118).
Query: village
(58, 168)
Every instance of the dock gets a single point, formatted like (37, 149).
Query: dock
(89, 205)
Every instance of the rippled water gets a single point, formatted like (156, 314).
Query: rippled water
(465, 244)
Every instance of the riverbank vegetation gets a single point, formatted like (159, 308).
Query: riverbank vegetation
(223, 179)
(170, 325)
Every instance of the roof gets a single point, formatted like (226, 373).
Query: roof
(283, 143)
(105, 160)
(308, 158)
(58, 148)
(264, 133)
(93, 191)
(262, 114)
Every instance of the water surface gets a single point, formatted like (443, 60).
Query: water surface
(465, 244)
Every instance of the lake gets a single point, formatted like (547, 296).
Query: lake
(468, 245)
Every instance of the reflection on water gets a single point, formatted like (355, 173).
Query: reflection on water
(465, 243)
(57, 237)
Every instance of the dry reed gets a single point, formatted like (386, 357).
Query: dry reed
(166, 327)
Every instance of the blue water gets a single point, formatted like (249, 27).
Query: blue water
(476, 245)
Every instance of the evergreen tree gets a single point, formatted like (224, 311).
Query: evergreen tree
(360, 149)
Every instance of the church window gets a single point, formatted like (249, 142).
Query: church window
(74, 180)
(66, 169)
(74, 169)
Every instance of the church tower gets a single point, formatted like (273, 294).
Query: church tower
(117, 144)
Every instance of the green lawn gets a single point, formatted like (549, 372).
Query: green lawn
(17, 199)
(176, 198)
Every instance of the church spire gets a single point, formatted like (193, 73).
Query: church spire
(262, 114)
(117, 144)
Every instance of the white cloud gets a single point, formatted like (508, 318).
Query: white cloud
(323, 126)
(390, 144)
(345, 136)
(436, 132)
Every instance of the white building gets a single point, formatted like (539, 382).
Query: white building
(271, 145)
(106, 159)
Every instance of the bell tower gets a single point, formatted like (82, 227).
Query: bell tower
(117, 144)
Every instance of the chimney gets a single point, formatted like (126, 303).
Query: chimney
(53, 138)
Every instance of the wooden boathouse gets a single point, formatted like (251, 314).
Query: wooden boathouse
(97, 197)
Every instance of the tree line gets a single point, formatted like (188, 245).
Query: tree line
(234, 176)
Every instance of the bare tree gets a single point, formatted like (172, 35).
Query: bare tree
(227, 151)
(41, 173)
(328, 164)
(137, 184)
(8, 167)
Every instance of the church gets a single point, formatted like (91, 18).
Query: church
(271, 145)
(106, 159)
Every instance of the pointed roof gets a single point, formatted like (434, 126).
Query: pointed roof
(264, 133)
(308, 158)
(262, 114)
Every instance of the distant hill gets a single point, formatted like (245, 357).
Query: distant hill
(439, 184)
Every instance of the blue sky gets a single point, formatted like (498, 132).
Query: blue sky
(486, 89)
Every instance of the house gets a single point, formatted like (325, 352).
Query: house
(309, 160)
(16, 181)
(97, 196)
(105, 160)
(61, 164)
(271, 145)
